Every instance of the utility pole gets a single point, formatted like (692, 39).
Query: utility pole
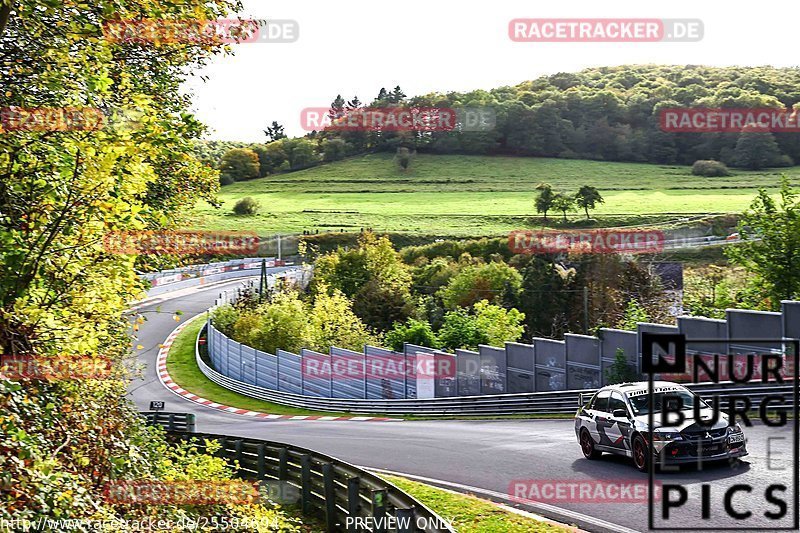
(586, 310)
(262, 283)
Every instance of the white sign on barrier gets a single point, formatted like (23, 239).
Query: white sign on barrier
(426, 383)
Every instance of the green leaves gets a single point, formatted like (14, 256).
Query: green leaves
(770, 244)
(63, 185)
(488, 324)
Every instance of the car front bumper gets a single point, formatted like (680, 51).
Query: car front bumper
(686, 452)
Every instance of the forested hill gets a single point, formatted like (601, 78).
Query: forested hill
(608, 113)
(612, 113)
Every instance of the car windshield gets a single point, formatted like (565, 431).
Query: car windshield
(640, 405)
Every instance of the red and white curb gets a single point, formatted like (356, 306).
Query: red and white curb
(166, 380)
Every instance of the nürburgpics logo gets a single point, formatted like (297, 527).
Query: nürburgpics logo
(610, 30)
(754, 384)
(586, 241)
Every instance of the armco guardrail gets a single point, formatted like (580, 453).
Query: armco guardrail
(184, 422)
(324, 485)
(556, 402)
(195, 275)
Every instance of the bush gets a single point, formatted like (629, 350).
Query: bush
(490, 324)
(246, 206)
(620, 371)
(334, 149)
(224, 318)
(403, 157)
(710, 168)
(413, 332)
(478, 282)
(239, 164)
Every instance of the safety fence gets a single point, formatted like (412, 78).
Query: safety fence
(335, 491)
(181, 422)
(553, 402)
(195, 275)
(545, 365)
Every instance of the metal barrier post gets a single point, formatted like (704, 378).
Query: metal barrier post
(283, 464)
(171, 422)
(330, 496)
(353, 501)
(379, 510)
(405, 520)
(305, 483)
(190, 423)
(222, 452)
(262, 461)
(237, 447)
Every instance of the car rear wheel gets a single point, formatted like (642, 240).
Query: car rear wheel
(587, 446)
(641, 454)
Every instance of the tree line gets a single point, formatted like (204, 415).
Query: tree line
(606, 114)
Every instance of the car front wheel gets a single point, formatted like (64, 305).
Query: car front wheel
(587, 446)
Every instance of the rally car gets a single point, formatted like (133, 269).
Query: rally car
(615, 420)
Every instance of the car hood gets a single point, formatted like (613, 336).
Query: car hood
(689, 422)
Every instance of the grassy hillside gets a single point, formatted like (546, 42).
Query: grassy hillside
(472, 195)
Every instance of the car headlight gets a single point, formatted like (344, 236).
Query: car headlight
(666, 435)
(736, 428)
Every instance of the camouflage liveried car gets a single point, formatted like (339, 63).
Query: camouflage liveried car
(615, 420)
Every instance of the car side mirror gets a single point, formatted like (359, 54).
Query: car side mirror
(619, 413)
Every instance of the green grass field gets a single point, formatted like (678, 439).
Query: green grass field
(470, 514)
(183, 368)
(472, 195)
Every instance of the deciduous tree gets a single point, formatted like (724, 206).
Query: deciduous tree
(587, 198)
(770, 243)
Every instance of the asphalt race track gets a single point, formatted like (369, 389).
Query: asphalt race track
(490, 455)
